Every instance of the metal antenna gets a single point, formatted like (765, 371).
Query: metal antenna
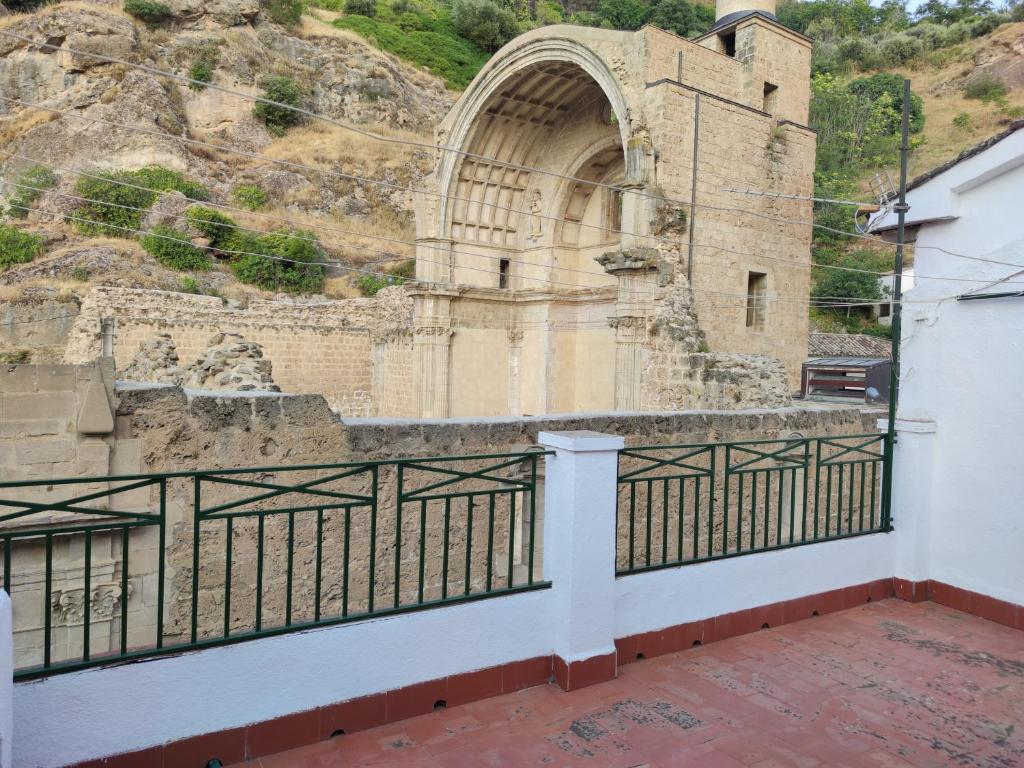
(901, 209)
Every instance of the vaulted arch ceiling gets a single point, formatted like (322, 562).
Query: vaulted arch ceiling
(529, 122)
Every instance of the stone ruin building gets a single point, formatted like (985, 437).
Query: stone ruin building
(584, 243)
(541, 294)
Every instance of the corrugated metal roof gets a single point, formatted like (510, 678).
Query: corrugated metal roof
(848, 362)
(848, 345)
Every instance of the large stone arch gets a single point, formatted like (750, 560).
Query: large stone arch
(559, 67)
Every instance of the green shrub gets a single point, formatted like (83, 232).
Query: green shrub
(282, 90)
(249, 196)
(17, 247)
(38, 177)
(201, 71)
(486, 24)
(683, 17)
(279, 261)
(962, 121)
(80, 274)
(888, 83)
(985, 88)
(398, 7)
(285, 12)
(370, 284)
(217, 227)
(366, 8)
(188, 284)
(148, 11)
(988, 23)
(120, 208)
(173, 249)
(900, 49)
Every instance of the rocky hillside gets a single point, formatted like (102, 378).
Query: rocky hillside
(231, 43)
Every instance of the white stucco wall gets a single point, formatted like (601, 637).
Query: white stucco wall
(74, 717)
(659, 599)
(957, 506)
(6, 680)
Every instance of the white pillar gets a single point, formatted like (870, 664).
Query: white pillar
(579, 552)
(912, 499)
(6, 679)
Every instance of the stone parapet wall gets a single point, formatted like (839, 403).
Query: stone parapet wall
(316, 346)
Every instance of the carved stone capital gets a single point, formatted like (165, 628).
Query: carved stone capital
(515, 336)
(69, 604)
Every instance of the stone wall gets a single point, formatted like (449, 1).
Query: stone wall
(153, 428)
(315, 346)
(57, 421)
(38, 325)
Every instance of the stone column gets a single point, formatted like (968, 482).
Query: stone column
(435, 260)
(579, 552)
(515, 362)
(433, 329)
(636, 271)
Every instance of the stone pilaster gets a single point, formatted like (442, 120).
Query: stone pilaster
(515, 361)
(636, 271)
(433, 329)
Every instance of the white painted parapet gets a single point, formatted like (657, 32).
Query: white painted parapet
(579, 534)
(6, 679)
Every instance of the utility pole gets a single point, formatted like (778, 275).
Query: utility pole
(901, 209)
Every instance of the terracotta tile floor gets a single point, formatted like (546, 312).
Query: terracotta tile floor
(887, 684)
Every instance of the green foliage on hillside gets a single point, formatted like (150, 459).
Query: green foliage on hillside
(174, 249)
(453, 40)
(28, 189)
(17, 247)
(118, 208)
(425, 35)
(148, 11)
(854, 35)
(370, 284)
(285, 92)
(279, 261)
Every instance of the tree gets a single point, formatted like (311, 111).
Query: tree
(683, 17)
(484, 23)
(623, 14)
(892, 84)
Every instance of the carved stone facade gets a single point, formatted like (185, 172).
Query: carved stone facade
(565, 217)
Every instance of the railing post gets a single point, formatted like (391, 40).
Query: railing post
(579, 557)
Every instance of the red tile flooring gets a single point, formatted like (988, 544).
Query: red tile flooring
(887, 684)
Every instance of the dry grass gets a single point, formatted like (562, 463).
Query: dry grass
(340, 288)
(16, 126)
(346, 238)
(940, 87)
(324, 145)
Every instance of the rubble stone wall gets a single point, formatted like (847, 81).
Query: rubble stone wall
(315, 346)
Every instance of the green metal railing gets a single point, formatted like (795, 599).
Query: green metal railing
(681, 504)
(116, 568)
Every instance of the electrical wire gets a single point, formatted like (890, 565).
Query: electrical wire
(818, 301)
(388, 255)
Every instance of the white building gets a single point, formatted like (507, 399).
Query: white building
(958, 460)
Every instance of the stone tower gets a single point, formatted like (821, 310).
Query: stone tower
(581, 247)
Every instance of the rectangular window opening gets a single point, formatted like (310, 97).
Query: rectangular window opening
(503, 265)
(728, 43)
(757, 288)
(771, 98)
(884, 309)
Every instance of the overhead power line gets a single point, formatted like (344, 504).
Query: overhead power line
(388, 256)
(813, 300)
